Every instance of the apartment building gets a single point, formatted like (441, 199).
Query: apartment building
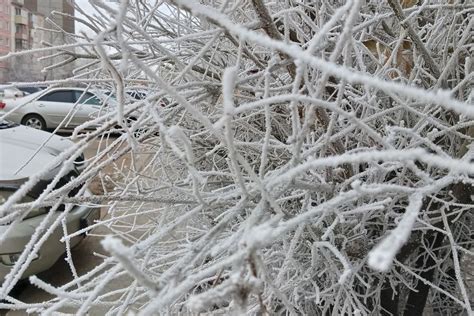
(5, 35)
(58, 22)
(21, 27)
(45, 7)
(22, 22)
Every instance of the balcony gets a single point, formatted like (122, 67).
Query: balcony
(21, 35)
(19, 19)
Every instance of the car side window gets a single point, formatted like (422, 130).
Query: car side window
(58, 96)
(87, 98)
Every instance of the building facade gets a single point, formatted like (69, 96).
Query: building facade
(60, 23)
(5, 36)
(20, 32)
(45, 7)
(22, 26)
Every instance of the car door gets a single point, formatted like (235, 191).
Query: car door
(55, 106)
(89, 105)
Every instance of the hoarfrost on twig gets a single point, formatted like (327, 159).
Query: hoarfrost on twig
(280, 157)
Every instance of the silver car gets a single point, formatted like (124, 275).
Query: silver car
(23, 152)
(48, 109)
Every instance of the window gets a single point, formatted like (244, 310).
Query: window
(21, 44)
(19, 28)
(17, 11)
(18, 44)
(87, 98)
(58, 96)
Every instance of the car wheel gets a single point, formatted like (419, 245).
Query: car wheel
(34, 121)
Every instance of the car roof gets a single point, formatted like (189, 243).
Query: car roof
(22, 154)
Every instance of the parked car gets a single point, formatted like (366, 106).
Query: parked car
(10, 92)
(131, 95)
(22, 155)
(31, 89)
(21, 90)
(47, 109)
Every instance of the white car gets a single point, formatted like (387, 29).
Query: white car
(11, 92)
(50, 108)
(22, 156)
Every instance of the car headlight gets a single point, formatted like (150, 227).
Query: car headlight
(10, 259)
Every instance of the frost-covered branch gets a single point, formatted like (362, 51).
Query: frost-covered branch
(287, 157)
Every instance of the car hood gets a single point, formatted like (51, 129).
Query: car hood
(22, 154)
